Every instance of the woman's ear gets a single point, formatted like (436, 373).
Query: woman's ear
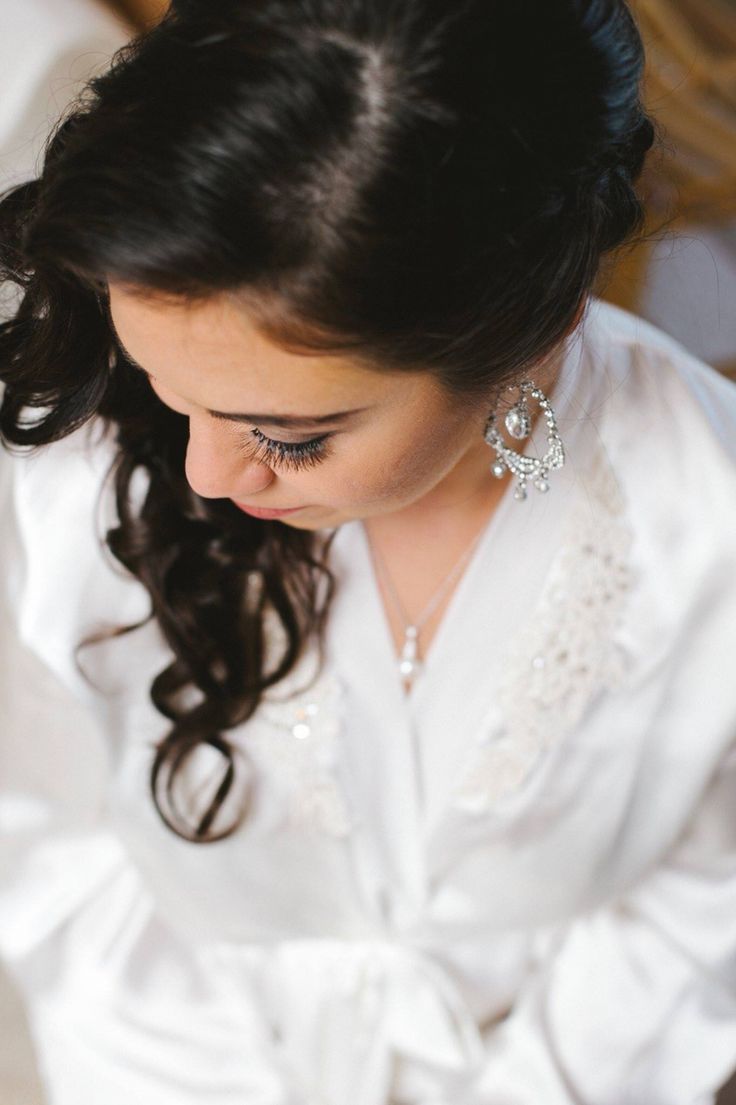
(546, 371)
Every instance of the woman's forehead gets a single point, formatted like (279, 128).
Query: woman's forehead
(215, 346)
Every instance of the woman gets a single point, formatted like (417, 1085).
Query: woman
(422, 791)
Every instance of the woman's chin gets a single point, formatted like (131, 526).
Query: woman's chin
(315, 519)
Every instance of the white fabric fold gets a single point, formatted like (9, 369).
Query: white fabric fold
(349, 1012)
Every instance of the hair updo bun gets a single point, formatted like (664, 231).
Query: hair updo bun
(428, 186)
(619, 205)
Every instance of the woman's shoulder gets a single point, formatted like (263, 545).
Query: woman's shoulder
(53, 495)
(62, 474)
(660, 390)
(662, 424)
(60, 579)
(667, 422)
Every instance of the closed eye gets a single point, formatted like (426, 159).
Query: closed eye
(289, 454)
(295, 455)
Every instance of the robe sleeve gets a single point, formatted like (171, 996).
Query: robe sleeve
(119, 1005)
(635, 1002)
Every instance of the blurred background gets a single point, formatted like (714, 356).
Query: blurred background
(681, 276)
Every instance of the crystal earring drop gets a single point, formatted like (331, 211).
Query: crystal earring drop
(518, 420)
(518, 423)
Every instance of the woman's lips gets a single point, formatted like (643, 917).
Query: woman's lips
(260, 512)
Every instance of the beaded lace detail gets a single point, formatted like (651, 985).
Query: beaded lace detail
(564, 655)
(294, 734)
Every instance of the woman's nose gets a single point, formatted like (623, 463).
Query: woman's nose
(216, 468)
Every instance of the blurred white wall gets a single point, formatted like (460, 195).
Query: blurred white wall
(47, 49)
(690, 291)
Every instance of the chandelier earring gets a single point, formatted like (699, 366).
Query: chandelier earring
(518, 422)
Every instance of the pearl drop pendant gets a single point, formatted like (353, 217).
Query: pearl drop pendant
(409, 663)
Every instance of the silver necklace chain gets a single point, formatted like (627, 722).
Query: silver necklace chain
(410, 664)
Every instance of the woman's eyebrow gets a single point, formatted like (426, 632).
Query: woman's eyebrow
(285, 421)
(293, 421)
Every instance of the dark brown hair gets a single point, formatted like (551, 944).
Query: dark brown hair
(423, 188)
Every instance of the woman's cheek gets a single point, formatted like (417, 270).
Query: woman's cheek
(382, 477)
(380, 471)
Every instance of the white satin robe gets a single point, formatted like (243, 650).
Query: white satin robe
(515, 887)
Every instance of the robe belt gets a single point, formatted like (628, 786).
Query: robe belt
(347, 1010)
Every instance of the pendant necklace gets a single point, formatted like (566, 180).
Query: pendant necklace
(410, 664)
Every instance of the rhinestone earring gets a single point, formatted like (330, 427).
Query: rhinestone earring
(518, 422)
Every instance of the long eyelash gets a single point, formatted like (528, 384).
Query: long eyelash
(295, 455)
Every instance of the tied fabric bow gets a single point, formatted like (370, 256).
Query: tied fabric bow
(347, 1011)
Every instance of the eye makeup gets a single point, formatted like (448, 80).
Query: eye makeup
(294, 455)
